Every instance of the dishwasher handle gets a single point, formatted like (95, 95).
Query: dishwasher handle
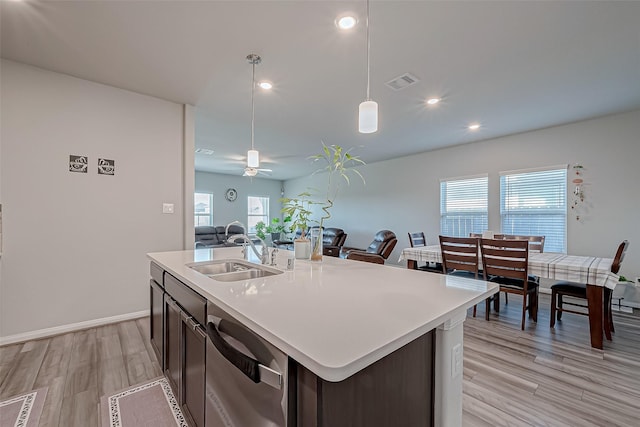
(249, 366)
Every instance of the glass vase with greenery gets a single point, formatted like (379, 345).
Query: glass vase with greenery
(339, 165)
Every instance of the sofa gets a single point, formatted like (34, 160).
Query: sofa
(210, 236)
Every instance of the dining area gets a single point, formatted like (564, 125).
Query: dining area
(519, 264)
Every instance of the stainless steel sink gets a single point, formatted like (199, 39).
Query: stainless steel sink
(233, 270)
(242, 275)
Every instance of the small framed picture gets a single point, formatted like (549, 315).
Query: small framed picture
(106, 167)
(78, 163)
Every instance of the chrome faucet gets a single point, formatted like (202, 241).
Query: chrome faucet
(264, 255)
(226, 230)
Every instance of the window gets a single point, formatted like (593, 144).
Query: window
(463, 206)
(258, 211)
(534, 202)
(203, 209)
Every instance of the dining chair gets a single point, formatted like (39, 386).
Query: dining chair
(579, 290)
(460, 258)
(417, 240)
(536, 243)
(506, 262)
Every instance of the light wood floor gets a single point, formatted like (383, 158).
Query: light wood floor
(539, 377)
(79, 368)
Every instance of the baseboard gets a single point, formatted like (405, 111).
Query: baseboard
(57, 330)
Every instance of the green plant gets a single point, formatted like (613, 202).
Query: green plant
(261, 229)
(298, 209)
(277, 227)
(339, 164)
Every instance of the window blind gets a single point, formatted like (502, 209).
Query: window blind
(535, 203)
(463, 206)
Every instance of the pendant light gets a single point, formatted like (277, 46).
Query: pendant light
(368, 110)
(253, 157)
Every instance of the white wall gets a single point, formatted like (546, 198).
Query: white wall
(224, 211)
(75, 244)
(403, 194)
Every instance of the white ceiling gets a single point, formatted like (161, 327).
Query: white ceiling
(512, 66)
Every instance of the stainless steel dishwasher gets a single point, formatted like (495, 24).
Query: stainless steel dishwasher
(246, 376)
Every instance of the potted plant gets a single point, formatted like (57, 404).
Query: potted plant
(276, 228)
(338, 163)
(298, 209)
(261, 229)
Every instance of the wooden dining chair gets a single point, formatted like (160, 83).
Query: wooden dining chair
(460, 258)
(416, 240)
(536, 243)
(506, 262)
(579, 290)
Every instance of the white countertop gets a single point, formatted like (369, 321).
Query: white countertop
(335, 317)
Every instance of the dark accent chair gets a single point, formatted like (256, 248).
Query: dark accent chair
(382, 245)
(332, 240)
(579, 290)
(417, 240)
(209, 236)
(366, 257)
(506, 262)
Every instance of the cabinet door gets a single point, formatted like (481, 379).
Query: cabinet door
(173, 345)
(193, 374)
(157, 321)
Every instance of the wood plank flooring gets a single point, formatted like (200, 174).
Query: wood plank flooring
(79, 368)
(536, 377)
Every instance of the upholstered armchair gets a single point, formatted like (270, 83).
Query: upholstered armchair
(383, 243)
(332, 241)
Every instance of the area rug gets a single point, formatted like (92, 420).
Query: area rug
(148, 404)
(23, 410)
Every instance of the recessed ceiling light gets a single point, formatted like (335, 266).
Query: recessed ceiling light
(474, 126)
(265, 85)
(433, 101)
(346, 22)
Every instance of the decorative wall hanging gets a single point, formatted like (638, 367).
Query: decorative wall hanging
(578, 205)
(106, 167)
(78, 163)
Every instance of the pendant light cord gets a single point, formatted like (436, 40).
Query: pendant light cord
(253, 85)
(368, 48)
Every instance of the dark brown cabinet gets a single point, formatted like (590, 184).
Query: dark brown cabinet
(185, 347)
(193, 370)
(172, 339)
(156, 324)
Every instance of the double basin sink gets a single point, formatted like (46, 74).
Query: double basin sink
(233, 270)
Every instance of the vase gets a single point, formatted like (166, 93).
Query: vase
(316, 244)
(275, 237)
(302, 248)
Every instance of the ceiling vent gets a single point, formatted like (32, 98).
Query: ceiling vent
(204, 151)
(402, 81)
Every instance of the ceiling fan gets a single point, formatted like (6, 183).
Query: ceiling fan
(255, 171)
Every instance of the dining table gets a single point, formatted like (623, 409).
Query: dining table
(594, 271)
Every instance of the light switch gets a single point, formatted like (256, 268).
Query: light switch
(167, 208)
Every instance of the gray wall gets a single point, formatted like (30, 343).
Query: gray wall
(224, 211)
(403, 194)
(74, 244)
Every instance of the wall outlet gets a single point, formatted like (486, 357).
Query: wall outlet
(456, 360)
(167, 208)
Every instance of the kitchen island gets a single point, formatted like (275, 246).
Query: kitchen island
(364, 341)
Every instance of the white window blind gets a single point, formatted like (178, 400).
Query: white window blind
(535, 203)
(463, 206)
